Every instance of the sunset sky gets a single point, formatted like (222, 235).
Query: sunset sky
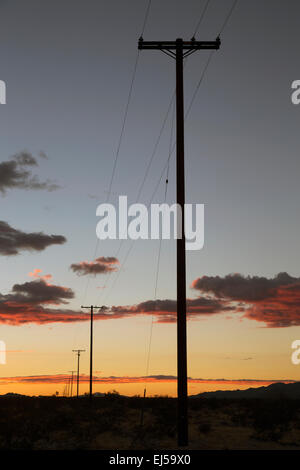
(68, 67)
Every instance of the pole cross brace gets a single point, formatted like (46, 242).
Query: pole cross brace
(189, 46)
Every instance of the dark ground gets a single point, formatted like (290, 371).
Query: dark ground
(112, 422)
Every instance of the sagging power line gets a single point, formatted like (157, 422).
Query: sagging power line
(120, 139)
(200, 81)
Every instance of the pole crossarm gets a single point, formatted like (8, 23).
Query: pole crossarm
(169, 46)
(89, 306)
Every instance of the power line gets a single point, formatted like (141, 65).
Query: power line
(182, 390)
(174, 144)
(199, 82)
(210, 56)
(156, 278)
(160, 135)
(179, 49)
(225, 21)
(201, 17)
(116, 155)
(123, 127)
(144, 179)
(127, 104)
(160, 241)
(162, 173)
(173, 147)
(156, 146)
(159, 248)
(121, 133)
(149, 203)
(228, 16)
(146, 17)
(167, 113)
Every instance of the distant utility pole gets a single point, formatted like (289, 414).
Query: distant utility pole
(91, 307)
(72, 372)
(78, 351)
(179, 50)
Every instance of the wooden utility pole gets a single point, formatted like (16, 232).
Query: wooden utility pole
(179, 50)
(71, 378)
(91, 307)
(78, 351)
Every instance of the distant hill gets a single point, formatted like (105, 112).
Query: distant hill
(86, 395)
(273, 391)
(14, 395)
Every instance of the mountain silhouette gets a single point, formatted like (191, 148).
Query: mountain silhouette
(273, 391)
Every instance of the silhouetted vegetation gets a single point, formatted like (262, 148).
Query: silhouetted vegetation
(113, 421)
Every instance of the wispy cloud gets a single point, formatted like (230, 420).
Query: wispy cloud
(64, 378)
(36, 273)
(102, 265)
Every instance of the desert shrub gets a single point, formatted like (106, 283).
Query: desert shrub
(204, 427)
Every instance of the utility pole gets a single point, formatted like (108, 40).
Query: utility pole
(78, 351)
(91, 347)
(179, 50)
(72, 372)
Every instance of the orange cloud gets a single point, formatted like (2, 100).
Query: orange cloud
(274, 301)
(36, 274)
(29, 303)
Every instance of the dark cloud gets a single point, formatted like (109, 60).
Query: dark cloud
(28, 303)
(238, 287)
(17, 173)
(12, 241)
(165, 311)
(39, 292)
(275, 301)
(101, 265)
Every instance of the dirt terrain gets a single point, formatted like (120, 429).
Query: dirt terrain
(113, 422)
